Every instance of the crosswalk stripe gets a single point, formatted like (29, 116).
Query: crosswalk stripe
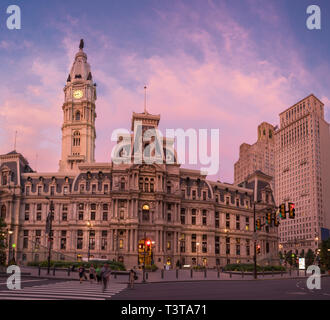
(63, 291)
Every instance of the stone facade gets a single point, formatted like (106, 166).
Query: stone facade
(105, 210)
(259, 156)
(303, 173)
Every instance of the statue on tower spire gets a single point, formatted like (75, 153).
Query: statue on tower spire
(82, 44)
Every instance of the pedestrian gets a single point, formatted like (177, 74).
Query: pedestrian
(105, 276)
(82, 274)
(132, 277)
(92, 274)
(98, 274)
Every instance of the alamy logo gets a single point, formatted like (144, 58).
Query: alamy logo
(14, 20)
(14, 281)
(314, 20)
(151, 147)
(314, 281)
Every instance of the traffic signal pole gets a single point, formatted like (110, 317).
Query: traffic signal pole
(255, 242)
(50, 214)
(144, 259)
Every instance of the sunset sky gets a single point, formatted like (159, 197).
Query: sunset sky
(207, 64)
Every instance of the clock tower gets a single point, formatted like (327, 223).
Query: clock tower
(78, 129)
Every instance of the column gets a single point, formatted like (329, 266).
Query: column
(175, 240)
(111, 240)
(135, 239)
(127, 240)
(136, 208)
(128, 209)
(112, 209)
(157, 242)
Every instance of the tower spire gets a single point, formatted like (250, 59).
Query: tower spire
(145, 99)
(82, 44)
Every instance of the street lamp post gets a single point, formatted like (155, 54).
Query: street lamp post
(255, 241)
(49, 232)
(89, 226)
(144, 259)
(10, 232)
(197, 246)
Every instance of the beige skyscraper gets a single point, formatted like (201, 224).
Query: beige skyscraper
(259, 156)
(302, 173)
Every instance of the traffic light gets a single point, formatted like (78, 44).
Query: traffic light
(269, 218)
(148, 245)
(258, 249)
(276, 222)
(258, 224)
(282, 211)
(292, 211)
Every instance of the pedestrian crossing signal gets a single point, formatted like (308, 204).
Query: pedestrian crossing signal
(282, 211)
(292, 211)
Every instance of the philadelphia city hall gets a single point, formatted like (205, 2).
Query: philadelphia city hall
(108, 210)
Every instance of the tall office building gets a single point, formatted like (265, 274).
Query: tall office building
(302, 173)
(259, 156)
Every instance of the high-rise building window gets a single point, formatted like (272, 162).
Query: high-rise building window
(204, 218)
(183, 216)
(193, 216)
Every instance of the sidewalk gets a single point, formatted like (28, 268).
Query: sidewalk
(62, 274)
(213, 275)
(168, 275)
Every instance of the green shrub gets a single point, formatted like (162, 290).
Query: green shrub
(114, 265)
(198, 268)
(250, 267)
(151, 268)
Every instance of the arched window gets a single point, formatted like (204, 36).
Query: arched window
(76, 139)
(145, 212)
(78, 115)
(3, 212)
(4, 179)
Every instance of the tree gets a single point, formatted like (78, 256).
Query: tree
(325, 254)
(310, 257)
(288, 257)
(3, 242)
(280, 255)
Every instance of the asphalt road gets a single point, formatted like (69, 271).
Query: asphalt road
(27, 282)
(282, 289)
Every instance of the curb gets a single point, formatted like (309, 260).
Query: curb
(191, 280)
(61, 279)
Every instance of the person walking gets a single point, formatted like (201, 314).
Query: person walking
(98, 274)
(105, 276)
(82, 274)
(92, 274)
(132, 277)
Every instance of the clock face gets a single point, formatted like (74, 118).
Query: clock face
(78, 94)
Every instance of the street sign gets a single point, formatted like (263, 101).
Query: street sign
(301, 263)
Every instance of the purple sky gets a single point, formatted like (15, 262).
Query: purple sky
(207, 64)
